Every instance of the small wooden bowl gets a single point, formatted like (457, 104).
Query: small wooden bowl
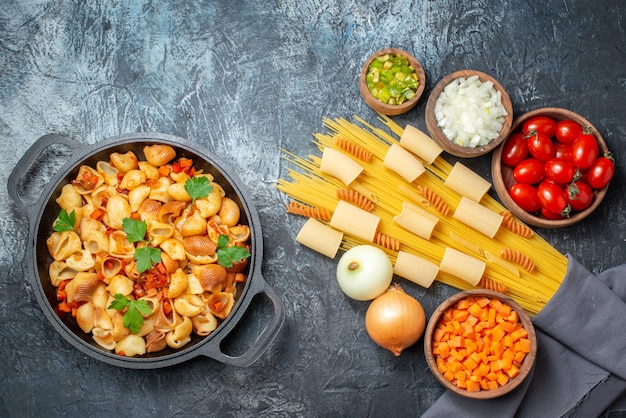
(503, 175)
(384, 108)
(437, 134)
(525, 367)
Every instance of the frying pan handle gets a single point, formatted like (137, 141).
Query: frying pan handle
(266, 337)
(28, 160)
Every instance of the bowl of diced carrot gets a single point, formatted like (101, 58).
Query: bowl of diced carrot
(480, 344)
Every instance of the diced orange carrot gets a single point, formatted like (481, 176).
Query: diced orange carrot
(460, 315)
(497, 333)
(524, 345)
(448, 375)
(502, 379)
(475, 310)
(513, 371)
(473, 386)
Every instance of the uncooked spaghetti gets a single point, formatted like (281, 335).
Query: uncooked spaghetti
(310, 186)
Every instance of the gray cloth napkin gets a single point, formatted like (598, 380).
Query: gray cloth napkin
(580, 369)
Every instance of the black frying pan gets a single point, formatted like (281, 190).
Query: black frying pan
(43, 213)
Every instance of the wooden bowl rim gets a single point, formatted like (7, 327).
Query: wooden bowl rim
(438, 135)
(526, 366)
(383, 108)
(502, 189)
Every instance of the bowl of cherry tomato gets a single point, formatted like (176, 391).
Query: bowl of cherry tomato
(553, 169)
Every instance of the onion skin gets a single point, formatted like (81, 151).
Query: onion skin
(395, 320)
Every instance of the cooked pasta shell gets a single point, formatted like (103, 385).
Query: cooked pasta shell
(212, 277)
(137, 196)
(87, 291)
(120, 284)
(158, 231)
(229, 212)
(149, 209)
(119, 330)
(104, 338)
(81, 260)
(204, 324)
(199, 245)
(108, 172)
(239, 233)
(124, 162)
(170, 265)
(130, 346)
(188, 305)
(97, 242)
(221, 304)
(174, 248)
(151, 172)
(147, 327)
(110, 267)
(191, 225)
(102, 319)
(120, 247)
(130, 269)
(85, 316)
(165, 322)
(178, 283)
(59, 271)
(180, 336)
(171, 211)
(101, 196)
(159, 154)
(63, 244)
(100, 298)
(69, 198)
(180, 177)
(116, 210)
(87, 180)
(202, 259)
(159, 190)
(132, 179)
(89, 226)
(177, 192)
(155, 341)
(214, 230)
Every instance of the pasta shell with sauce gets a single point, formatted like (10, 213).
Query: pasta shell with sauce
(211, 277)
(151, 172)
(108, 173)
(199, 245)
(159, 154)
(81, 260)
(159, 190)
(137, 196)
(63, 244)
(131, 345)
(171, 211)
(132, 179)
(116, 210)
(124, 162)
(59, 271)
(69, 198)
(229, 212)
(221, 304)
(150, 209)
(205, 323)
(191, 225)
(85, 315)
(155, 341)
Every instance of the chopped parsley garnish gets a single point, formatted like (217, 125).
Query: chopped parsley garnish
(226, 255)
(65, 221)
(136, 232)
(198, 187)
(133, 319)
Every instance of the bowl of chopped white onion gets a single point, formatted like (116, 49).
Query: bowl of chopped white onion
(469, 113)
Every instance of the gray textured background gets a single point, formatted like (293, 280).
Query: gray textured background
(244, 79)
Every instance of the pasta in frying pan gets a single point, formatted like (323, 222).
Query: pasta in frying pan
(146, 253)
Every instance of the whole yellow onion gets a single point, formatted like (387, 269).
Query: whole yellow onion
(395, 320)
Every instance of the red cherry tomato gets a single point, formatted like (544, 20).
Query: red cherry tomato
(559, 170)
(579, 195)
(543, 124)
(601, 171)
(567, 131)
(550, 215)
(563, 151)
(514, 150)
(553, 197)
(584, 150)
(529, 171)
(525, 196)
(541, 146)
